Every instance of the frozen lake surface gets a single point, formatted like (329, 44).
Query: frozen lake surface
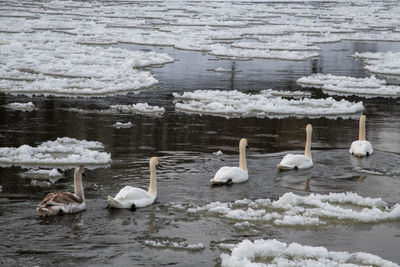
(153, 50)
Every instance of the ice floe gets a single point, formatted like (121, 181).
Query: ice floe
(139, 108)
(120, 125)
(51, 175)
(34, 65)
(173, 244)
(293, 210)
(345, 85)
(266, 104)
(63, 152)
(381, 63)
(272, 252)
(29, 106)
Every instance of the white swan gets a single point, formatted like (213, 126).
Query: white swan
(361, 147)
(228, 175)
(133, 197)
(291, 161)
(58, 203)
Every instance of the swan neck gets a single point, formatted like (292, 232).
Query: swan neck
(242, 158)
(153, 181)
(78, 187)
(307, 150)
(361, 134)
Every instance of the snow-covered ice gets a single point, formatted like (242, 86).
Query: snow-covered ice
(293, 210)
(63, 152)
(368, 87)
(266, 104)
(271, 252)
(29, 106)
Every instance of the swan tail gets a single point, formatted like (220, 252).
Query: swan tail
(113, 202)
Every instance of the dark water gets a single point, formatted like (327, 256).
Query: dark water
(185, 145)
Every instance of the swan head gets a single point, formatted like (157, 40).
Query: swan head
(80, 170)
(309, 128)
(154, 162)
(243, 143)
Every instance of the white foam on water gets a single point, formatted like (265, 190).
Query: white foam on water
(271, 252)
(62, 152)
(267, 104)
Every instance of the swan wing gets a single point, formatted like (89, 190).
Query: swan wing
(60, 198)
(236, 174)
(57, 202)
(292, 161)
(361, 148)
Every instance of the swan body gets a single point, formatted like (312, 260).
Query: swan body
(361, 147)
(297, 161)
(227, 175)
(131, 197)
(59, 203)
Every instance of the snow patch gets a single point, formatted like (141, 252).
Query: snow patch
(29, 106)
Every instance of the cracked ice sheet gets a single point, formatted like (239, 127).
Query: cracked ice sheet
(266, 104)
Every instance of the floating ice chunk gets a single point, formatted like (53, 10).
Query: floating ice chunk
(61, 67)
(218, 153)
(219, 50)
(51, 175)
(373, 37)
(276, 253)
(63, 152)
(381, 63)
(120, 125)
(141, 108)
(173, 245)
(222, 70)
(278, 44)
(332, 84)
(294, 94)
(237, 104)
(313, 210)
(21, 106)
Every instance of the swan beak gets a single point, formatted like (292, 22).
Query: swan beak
(83, 174)
(159, 165)
(247, 147)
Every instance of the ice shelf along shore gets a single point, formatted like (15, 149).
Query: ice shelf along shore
(268, 103)
(292, 210)
(381, 63)
(81, 53)
(63, 152)
(271, 252)
(344, 85)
